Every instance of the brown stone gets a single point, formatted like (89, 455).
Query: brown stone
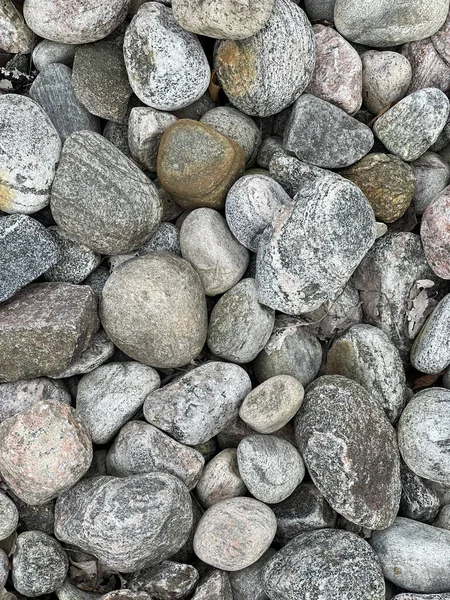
(197, 165)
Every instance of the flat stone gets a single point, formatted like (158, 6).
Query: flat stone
(166, 239)
(323, 135)
(75, 261)
(98, 352)
(432, 176)
(198, 405)
(44, 328)
(154, 309)
(101, 198)
(435, 234)
(248, 583)
(48, 53)
(293, 174)
(220, 479)
(410, 127)
(234, 533)
(15, 35)
(357, 470)
(267, 72)
(20, 395)
(386, 77)
(127, 523)
(9, 516)
(428, 68)
(167, 581)
(31, 149)
(419, 501)
(145, 129)
(431, 349)
(176, 71)
(197, 165)
(45, 450)
(215, 585)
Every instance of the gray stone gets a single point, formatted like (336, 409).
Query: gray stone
(248, 583)
(386, 78)
(128, 523)
(36, 518)
(75, 261)
(419, 501)
(176, 72)
(70, 592)
(4, 568)
(432, 176)
(356, 469)
(101, 198)
(141, 448)
(215, 585)
(410, 127)
(31, 148)
(414, 556)
(443, 518)
(435, 233)
(48, 52)
(197, 109)
(220, 479)
(423, 434)
(323, 135)
(26, 251)
(267, 72)
(98, 352)
(44, 328)
(145, 129)
(9, 516)
(167, 581)
(121, 595)
(20, 395)
(111, 395)
(443, 491)
(431, 349)
(422, 597)
(320, 10)
(186, 552)
(270, 146)
(166, 239)
(98, 464)
(15, 35)
(154, 309)
(117, 134)
(198, 405)
(97, 279)
(234, 533)
(292, 174)
(440, 40)
(53, 90)
(428, 68)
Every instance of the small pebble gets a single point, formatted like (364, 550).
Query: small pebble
(197, 109)
(117, 134)
(419, 501)
(166, 239)
(435, 234)
(98, 352)
(270, 146)
(167, 581)
(75, 261)
(48, 52)
(443, 518)
(15, 35)
(432, 176)
(145, 129)
(320, 10)
(248, 583)
(9, 516)
(431, 349)
(214, 586)
(220, 479)
(386, 77)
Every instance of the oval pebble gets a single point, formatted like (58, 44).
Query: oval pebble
(431, 349)
(435, 234)
(145, 129)
(432, 176)
(248, 583)
(386, 77)
(4, 568)
(48, 52)
(9, 516)
(220, 479)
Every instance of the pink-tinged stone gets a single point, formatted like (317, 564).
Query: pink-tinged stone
(441, 40)
(44, 451)
(428, 68)
(435, 234)
(337, 76)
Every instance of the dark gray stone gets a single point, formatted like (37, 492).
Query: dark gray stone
(166, 239)
(319, 10)
(419, 501)
(197, 109)
(270, 146)
(75, 261)
(430, 352)
(117, 134)
(443, 518)
(215, 585)
(9, 516)
(292, 174)
(97, 279)
(48, 52)
(167, 581)
(248, 583)
(36, 518)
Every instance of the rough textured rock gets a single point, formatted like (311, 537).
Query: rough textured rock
(40, 564)
(248, 583)
(101, 198)
(48, 52)
(267, 72)
(423, 434)
(318, 10)
(440, 40)
(44, 327)
(419, 501)
(270, 146)
(443, 519)
(326, 564)
(75, 261)
(432, 176)
(175, 72)
(410, 127)
(356, 469)
(197, 109)
(15, 35)
(431, 349)
(215, 585)
(386, 77)
(4, 568)
(435, 234)
(128, 524)
(198, 405)
(45, 450)
(339, 139)
(145, 129)
(428, 68)
(168, 331)
(121, 595)
(234, 533)
(166, 239)
(220, 479)
(197, 165)
(20, 395)
(167, 581)
(98, 352)
(117, 134)
(9, 516)
(31, 149)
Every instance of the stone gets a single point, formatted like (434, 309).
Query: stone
(421, 597)
(442, 491)
(324, 135)
(419, 501)
(145, 129)
(19, 395)
(248, 583)
(197, 109)
(365, 354)
(4, 568)
(440, 40)
(142, 448)
(251, 206)
(102, 199)
(435, 234)
(127, 523)
(239, 327)
(15, 35)
(98, 464)
(292, 174)
(356, 469)
(53, 90)
(215, 585)
(9, 516)
(311, 250)
(171, 210)
(75, 261)
(153, 308)
(167, 581)
(320, 10)
(410, 127)
(443, 518)
(166, 239)
(234, 533)
(117, 134)
(290, 351)
(44, 328)
(423, 434)
(97, 279)
(195, 407)
(31, 149)
(268, 71)
(238, 126)
(197, 165)
(387, 182)
(36, 518)
(428, 68)
(384, 24)
(208, 244)
(432, 176)
(83, 22)
(337, 76)
(386, 77)
(421, 566)
(270, 146)
(270, 467)
(48, 52)
(98, 352)
(220, 479)
(124, 595)
(175, 72)
(431, 348)
(26, 251)
(100, 80)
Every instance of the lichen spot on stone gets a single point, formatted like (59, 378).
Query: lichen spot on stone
(6, 193)
(236, 67)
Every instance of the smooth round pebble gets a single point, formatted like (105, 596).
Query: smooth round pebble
(432, 176)
(9, 516)
(435, 234)
(220, 479)
(48, 52)
(4, 568)
(386, 77)
(15, 35)
(248, 583)
(431, 349)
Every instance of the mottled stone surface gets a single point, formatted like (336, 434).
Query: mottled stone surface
(166, 239)
(4, 568)
(145, 129)
(440, 40)
(248, 583)
(356, 469)
(408, 596)
(270, 146)
(117, 134)
(167, 581)
(268, 71)
(15, 35)
(198, 405)
(75, 261)
(292, 174)
(121, 595)
(318, 10)
(98, 352)
(410, 127)
(326, 564)
(197, 109)
(423, 434)
(428, 68)
(175, 72)
(414, 556)
(234, 533)
(432, 176)
(419, 501)
(443, 518)
(323, 135)
(386, 77)
(31, 148)
(48, 52)
(220, 479)
(20, 395)
(128, 523)
(9, 516)
(431, 349)
(101, 198)
(435, 234)
(215, 585)
(44, 327)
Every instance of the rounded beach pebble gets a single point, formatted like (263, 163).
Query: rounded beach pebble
(168, 581)
(435, 234)
(15, 35)
(385, 78)
(9, 516)
(432, 175)
(48, 52)
(431, 349)
(220, 479)
(17, 396)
